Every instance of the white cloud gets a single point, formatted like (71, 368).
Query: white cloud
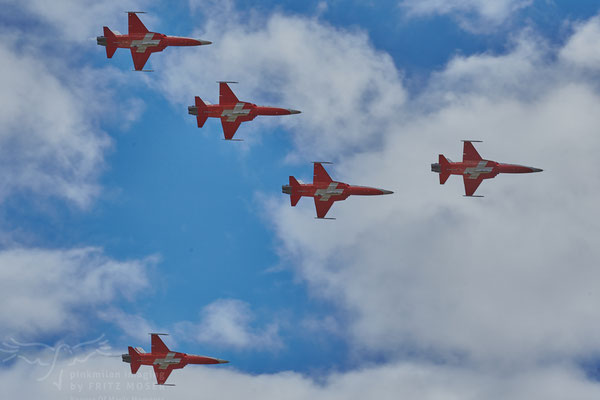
(45, 291)
(105, 377)
(481, 280)
(506, 279)
(501, 289)
(48, 144)
(345, 88)
(52, 110)
(227, 323)
(80, 20)
(475, 15)
(583, 48)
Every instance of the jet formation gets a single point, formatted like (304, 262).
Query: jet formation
(326, 191)
(474, 169)
(162, 359)
(232, 111)
(141, 41)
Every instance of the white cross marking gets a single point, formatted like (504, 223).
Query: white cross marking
(329, 191)
(481, 168)
(146, 42)
(235, 113)
(163, 363)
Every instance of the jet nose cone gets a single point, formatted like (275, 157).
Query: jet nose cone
(294, 111)
(223, 361)
(386, 191)
(536, 170)
(203, 42)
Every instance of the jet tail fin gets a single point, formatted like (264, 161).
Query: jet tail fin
(294, 196)
(136, 361)
(110, 39)
(202, 114)
(444, 166)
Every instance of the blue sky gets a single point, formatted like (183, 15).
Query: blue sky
(193, 236)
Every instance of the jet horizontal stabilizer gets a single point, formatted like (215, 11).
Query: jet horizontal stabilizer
(327, 218)
(321, 162)
(227, 82)
(473, 141)
(474, 195)
(233, 140)
(143, 70)
(136, 12)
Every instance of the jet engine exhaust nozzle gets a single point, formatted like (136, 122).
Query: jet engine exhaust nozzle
(101, 40)
(436, 167)
(126, 358)
(193, 110)
(287, 189)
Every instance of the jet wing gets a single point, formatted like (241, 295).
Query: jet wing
(322, 207)
(471, 184)
(162, 374)
(139, 59)
(469, 152)
(135, 25)
(229, 128)
(320, 175)
(226, 95)
(158, 346)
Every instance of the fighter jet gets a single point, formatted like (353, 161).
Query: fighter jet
(325, 190)
(475, 169)
(232, 111)
(141, 41)
(162, 359)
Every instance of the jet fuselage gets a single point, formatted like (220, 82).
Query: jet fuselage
(141, 41)
(326, 191)
(151, 41)
(173, 359)
(475, 169)
(231, 111)
(240, 111)
(334, 191)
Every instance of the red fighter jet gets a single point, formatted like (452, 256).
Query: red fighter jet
(475, 169)
(325, 190)
(141, 41)
(163, 360)
(231, 111)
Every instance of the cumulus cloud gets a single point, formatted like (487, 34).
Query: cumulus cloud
(53, 112)
(501, 289)
(510, 278)
(228, 323)
(46, 291)
(344, 87)
(48, 145)
(105, 377)
(474, 15)
(80, 20)
(481, 281)
(583, 48)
